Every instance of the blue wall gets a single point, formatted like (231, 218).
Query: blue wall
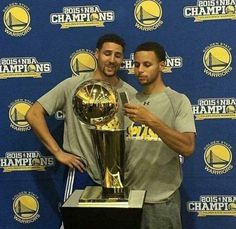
(38, 49)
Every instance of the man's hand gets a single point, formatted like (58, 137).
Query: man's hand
(181, 143)
(70, 160)
(138, 113)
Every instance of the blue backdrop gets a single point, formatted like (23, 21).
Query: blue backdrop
(44, 42)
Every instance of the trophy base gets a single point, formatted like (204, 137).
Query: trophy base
(98, 194)
(115, 215)
(119, 193)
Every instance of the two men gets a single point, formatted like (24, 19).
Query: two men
(162, 128)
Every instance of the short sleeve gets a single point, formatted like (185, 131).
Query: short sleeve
(54, 99)
(184, 121)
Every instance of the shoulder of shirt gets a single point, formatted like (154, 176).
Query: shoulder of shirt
(176, 98)
(171, 92)
(77, 79)
(128, 86)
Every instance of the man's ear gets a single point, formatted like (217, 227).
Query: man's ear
(162, 65)
(96, 53)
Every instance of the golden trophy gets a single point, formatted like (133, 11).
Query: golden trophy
(96, 104)
(111, 205)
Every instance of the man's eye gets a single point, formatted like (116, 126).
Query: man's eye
(107, 53)
(136, 65)
(118, 55)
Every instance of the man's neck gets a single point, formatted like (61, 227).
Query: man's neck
(156, 87)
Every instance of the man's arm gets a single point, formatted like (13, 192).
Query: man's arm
(36, 118)
(181, 143)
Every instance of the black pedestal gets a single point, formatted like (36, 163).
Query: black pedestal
(114, 215)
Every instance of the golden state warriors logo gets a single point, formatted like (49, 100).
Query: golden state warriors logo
(148, 14)
(16, 19)
(218, 157)
(17, 112)
(83, 61)
(217, 60)
(26, 207)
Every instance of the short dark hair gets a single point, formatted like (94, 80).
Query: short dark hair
(110, 37)
(153, 46)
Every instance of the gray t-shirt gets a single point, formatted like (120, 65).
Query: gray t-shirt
(151, 165)
(77, 137)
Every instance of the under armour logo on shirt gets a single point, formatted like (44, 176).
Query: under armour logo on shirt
(146, 103)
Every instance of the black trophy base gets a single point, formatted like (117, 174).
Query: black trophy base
(81, 210)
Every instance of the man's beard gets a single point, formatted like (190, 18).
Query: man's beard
(110, 73)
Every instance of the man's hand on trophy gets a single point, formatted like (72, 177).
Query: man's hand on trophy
(70, 160)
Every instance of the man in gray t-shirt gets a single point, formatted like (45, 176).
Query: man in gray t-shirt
(77, 149)
(161, 128)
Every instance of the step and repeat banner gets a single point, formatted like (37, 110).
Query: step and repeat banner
(45, 42)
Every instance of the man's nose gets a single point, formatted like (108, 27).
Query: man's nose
(112, 58)
(140, 68)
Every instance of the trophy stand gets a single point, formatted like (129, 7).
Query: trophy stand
(105, 215)
(111, 205)
(95, 103)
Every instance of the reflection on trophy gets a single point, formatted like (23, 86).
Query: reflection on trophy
(95, 103)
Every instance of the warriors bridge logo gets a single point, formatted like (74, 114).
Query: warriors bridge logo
(82, 16)
(83, 61)
(19, 67)
(217, 60)
(26, 207)
(148, 14)
(218, 158)
(207, 10)
(17, 112)
(215, 108)
(16, 19)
